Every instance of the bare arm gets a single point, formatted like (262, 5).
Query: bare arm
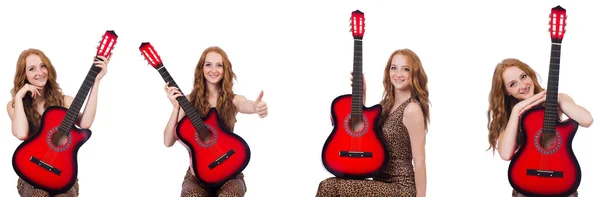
(169, 134)
(507, 140)
(574, 111)
(244, 105)
(414, 122)
(20, 125)
(86, 119)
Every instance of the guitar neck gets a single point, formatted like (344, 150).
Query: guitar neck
(551, 113)
(357, 80)
(79, 99)
(182, 100)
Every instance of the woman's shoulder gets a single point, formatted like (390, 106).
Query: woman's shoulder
(67, 100)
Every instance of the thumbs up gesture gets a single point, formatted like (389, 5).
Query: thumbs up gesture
(260, 107)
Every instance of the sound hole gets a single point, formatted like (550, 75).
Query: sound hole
(547, 142)
(356, 126)
(58, 141)
(208, 137)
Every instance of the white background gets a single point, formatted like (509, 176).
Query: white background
(300, 54)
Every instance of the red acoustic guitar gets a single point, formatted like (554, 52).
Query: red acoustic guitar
(545, 165)
(216, 154)
(355, 148)
(48, 159)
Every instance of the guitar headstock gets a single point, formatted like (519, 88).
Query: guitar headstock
(150, 55)
(107, 44)
(558, 22)
(357, 24)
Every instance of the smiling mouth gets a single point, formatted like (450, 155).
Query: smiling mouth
(527, 90)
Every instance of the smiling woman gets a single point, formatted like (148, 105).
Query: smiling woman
(515, 90)
(35, 90)
(213, 89)
(403, 124)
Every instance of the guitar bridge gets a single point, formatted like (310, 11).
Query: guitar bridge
(356, 154)
(545, 173)
(44, 165)
(221, 159)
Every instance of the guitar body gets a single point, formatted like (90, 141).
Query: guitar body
(561, 173)
(223, 157)
(354, 155)
(44, 165)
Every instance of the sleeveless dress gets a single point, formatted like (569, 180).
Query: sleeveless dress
(397, 179)
(27, 190)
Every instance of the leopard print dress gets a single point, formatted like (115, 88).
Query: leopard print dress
(397, 179)
(27, 190)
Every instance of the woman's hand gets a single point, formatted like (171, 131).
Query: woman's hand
(28, 88)
(173, 93)
(101, 62)
(527, 104)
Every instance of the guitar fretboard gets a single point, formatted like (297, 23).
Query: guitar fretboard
(550, 114)
(357, 81)
(189, 110)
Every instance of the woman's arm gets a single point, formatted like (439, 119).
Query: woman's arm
(574, 111)
(86, 119)
(169, 134)
(176, 115)
(246, 106)
(20, 125)
(507, 140)
(414, 122)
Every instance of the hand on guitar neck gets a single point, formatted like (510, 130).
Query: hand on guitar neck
(172, 93)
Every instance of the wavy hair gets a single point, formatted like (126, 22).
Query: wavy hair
(225, 107)
(52, 91)
(418, 83)
(501, 103)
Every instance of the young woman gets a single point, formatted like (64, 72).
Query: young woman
(213, 87)
(404, 121)
(35, 89)
(515, 89)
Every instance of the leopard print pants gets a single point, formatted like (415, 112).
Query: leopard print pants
(235, 187)
(27, 190)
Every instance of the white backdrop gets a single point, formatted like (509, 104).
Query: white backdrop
(300, 54)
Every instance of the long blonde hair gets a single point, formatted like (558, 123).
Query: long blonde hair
(418, 83)
(501, 104)
(52, 91)
(225, 106)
